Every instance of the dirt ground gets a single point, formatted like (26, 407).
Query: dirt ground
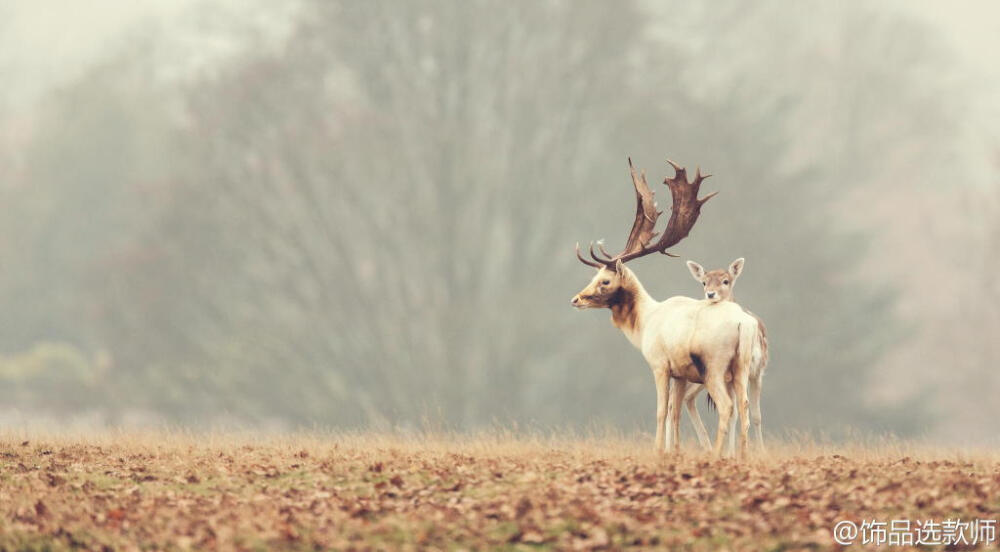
(166, 491)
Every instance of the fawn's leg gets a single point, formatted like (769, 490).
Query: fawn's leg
(699, 427)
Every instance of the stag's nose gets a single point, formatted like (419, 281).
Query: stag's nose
(575, 301)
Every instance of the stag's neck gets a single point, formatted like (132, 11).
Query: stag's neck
(629, 308)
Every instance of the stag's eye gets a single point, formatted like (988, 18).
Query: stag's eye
(606, 283)
(725, 282)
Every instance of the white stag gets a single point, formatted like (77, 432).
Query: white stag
(719, 285)
(681, 338)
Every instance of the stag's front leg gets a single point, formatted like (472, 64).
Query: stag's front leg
(660, 375)
(668, 441)
(677, 389)
(742, 404)
(755, 416)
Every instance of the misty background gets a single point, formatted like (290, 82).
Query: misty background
(356, 214)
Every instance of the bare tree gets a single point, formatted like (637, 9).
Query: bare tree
(369, 219)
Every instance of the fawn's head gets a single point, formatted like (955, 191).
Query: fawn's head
(718, 283)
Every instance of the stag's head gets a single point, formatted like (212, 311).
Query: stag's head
(718, 283)
(604, 290)
(612, 274)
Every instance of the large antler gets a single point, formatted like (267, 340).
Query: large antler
(683, 214)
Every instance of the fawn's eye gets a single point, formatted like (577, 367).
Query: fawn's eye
(725, 282)
(704, 284)
(606, 282)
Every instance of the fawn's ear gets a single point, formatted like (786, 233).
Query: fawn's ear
(736, 268)
(696, 270)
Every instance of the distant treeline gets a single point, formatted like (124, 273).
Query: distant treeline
(373, 222)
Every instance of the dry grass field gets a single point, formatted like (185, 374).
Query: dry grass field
(167, 491)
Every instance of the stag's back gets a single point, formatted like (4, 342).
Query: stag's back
(681, 327)
(717, 327)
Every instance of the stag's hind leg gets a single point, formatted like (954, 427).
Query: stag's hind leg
(740, 397)
(717, 389)
(755, 416)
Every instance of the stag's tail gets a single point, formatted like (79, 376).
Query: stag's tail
(750, 355)
(760, 363)
(750, 349)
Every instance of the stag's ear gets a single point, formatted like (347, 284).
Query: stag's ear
(736, 268)
(619, 267)
(696, 270)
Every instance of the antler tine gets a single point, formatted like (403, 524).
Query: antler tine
(606, 262)
(679, 171)
(706, 198)
(585, 261)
